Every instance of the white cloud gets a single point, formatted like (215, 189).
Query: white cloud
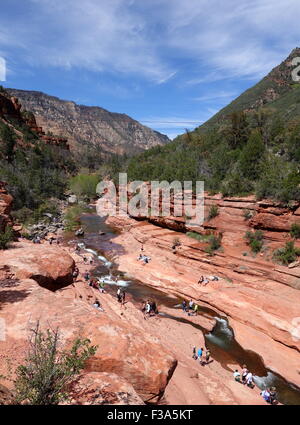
(2, 69)
(154, 39)
(215, 96)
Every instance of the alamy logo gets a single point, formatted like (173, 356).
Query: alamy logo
(2, 69)
(296, 71)
(157, 199)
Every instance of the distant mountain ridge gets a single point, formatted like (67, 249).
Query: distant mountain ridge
(111, 132)
(276, 90)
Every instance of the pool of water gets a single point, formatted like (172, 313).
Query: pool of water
(221, 342)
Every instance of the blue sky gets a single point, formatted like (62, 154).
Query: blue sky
(170, 64)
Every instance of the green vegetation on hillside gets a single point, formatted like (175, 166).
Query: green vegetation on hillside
(288, 254)
(6, 236)
(249, 153)
(255, 240)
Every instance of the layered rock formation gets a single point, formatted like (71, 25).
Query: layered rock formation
(111, 132)
(10, 108)
(260, 297)
(123, 348)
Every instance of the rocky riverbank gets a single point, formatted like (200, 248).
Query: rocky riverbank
(261, 310)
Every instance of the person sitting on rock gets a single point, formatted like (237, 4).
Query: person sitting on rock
(148, 308)
(75, 272)
(237, 376)
(249, 380)
(184, 306)
(266, 395)
(97, 305)
(273, 395)
(200, 280)
(86, 276)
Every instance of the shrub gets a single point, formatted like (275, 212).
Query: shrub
(255, 240)
(48, 372)
(213, 212)
(287, 254)
(198, 236)
(84, 185)
(72, 217)
(6, 237)
(295, 231)
(214, 244)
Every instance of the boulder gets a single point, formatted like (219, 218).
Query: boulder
(49, 266)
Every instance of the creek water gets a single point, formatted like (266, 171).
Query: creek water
(221, 342)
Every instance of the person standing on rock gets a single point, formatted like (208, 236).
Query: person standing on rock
(86, 276)
(119, 295)
(123, 296)
(207, 356)
(249, 379)
(199, 355)
(194, 356)
(244, 374)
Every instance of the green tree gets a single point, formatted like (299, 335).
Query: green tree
(84, 185)
(8, 137)
(238, 131)
(250, 157)
(6, 236)
(48, 372)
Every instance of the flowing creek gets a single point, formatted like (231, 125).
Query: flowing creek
(221, 342)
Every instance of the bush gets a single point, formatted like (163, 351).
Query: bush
(255, 240)
(213, 212)
(198, 236)
(84, 185)
(295, 231)
(6, 237)
(47, 374)
(72, 217)
(288, 254)
(214, 244)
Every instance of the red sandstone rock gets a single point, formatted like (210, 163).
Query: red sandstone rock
(123, 347)
(102, 388)
(50, 266)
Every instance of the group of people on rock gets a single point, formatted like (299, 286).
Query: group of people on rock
(199, 355)
(205, 280)
(190, 308)
(246, 375)
(246, 378)
(142, 257)
(149, 308)
(270, 395)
